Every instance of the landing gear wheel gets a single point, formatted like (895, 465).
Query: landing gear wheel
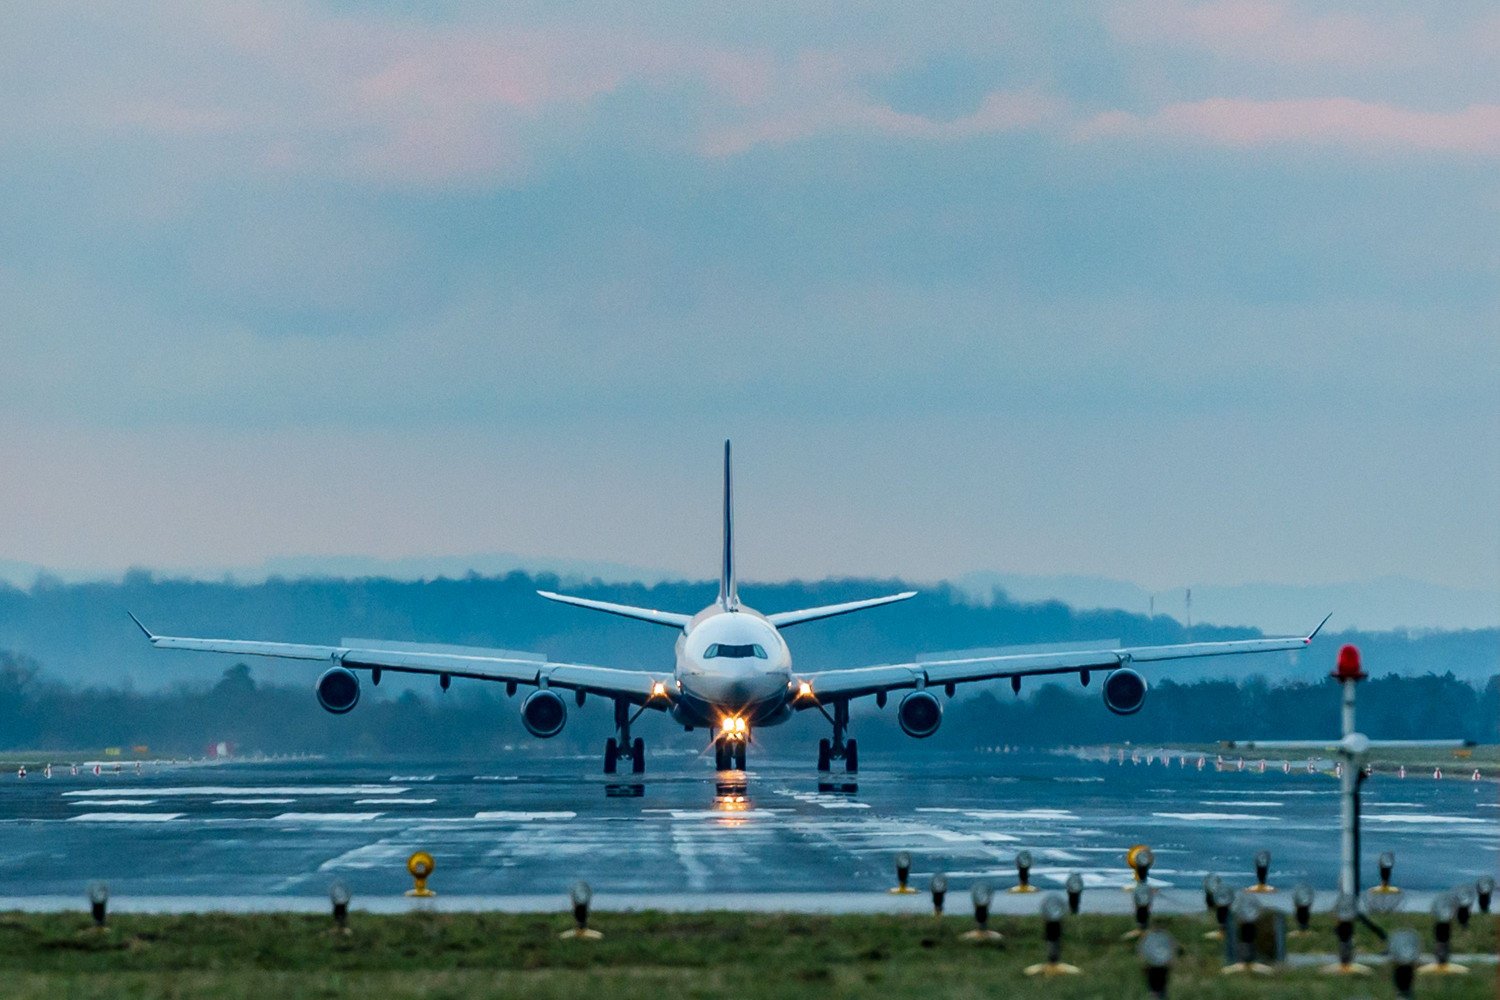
(611, 755)
(638, 756)
(739, 755)
(851, 756)
(720, 753)
(825, 755)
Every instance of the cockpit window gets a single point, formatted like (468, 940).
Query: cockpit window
(754, 649)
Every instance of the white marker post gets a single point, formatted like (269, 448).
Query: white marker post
(1351, 751)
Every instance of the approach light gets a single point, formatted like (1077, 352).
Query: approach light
(1140, 898)
(1302, 901)
(580, 895)
(1485, 890)
(1385, 865)
(1053, 909)
(421, 866)
(1211, 882)
(1405, 949)
(939, 887)
(1443, 910)
(980, 895)
(1246, 913)
(339, 896)
(1074, 886)
(1262, 872)
(903, 872)
(1157, 951)
(1023, 873)
(98, 901)
(1345, 912)
(1463, 898)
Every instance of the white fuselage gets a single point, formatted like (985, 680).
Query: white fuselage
(732, 664)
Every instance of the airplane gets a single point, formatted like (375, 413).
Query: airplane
(732, 674)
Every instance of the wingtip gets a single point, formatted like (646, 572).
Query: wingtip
(1314, 633)
(144, 630)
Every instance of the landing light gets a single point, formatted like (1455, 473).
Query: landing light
(804, 689)
(658, 690)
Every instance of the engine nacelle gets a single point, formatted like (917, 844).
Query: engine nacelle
(544, 713)
(920, 714)
(1124, 691)
(337, 690)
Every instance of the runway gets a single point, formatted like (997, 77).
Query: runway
(270, 831)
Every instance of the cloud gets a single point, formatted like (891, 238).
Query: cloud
(1325, 121)
(1267, 30)
(852, 114)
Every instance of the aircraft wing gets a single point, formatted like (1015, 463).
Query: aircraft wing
(856, 682)
(638, 687)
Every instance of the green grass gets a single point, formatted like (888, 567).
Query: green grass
(649, 955)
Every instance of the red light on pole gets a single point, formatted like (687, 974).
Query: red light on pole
(1348, 666)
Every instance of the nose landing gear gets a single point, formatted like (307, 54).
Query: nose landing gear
(621, 745)
(729, 755)
(838, 748)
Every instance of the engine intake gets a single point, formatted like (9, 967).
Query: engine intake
(544, 713)
(920, 714)
(337, 690)
(1124, 691)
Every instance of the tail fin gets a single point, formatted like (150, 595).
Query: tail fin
(729, 596)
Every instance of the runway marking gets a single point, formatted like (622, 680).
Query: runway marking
(1194, 817)
(301, 817)
(1246, 804)
(392, 802)
(125, 817)
(523, 817)
(1404, 818)
(227, 791)
(114, 802)
(246, 802)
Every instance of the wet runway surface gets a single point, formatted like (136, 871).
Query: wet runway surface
(289, 829)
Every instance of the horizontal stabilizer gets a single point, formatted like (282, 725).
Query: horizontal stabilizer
(623, 610)
(784, 618)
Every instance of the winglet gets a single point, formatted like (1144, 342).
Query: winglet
(143, 628)
(1314, 634)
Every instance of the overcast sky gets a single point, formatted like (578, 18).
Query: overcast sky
(1164, 291)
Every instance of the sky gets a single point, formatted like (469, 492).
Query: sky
(1157, 290)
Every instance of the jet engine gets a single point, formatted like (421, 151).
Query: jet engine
(337, 690)
(920, 714)
(1124, 691)
(544, 713)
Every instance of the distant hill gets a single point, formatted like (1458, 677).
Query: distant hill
(78, 632)
(1384, 604)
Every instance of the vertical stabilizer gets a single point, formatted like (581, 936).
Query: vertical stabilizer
(729, 597)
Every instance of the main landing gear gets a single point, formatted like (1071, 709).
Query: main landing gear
(621, 746)
(838, 748)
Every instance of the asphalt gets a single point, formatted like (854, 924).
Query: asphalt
(275, 835)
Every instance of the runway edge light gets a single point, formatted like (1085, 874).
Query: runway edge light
(1157, 951)
(98, 903)
(1053, 910)
(903, 872)
(981, 895)
(581, 896)
(420, 866)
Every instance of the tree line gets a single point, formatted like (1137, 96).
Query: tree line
(479, 721)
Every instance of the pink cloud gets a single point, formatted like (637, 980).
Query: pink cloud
(1000, 111)
(1267, 30)
(1329, 121)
